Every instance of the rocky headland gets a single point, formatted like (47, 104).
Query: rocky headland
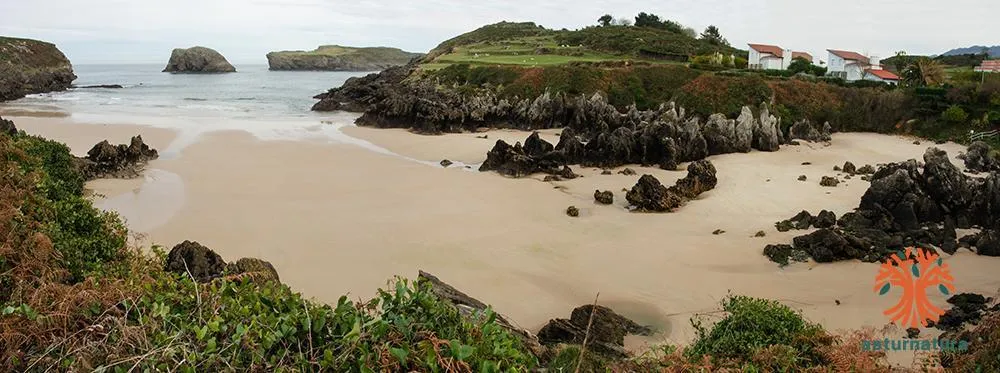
(198, 60)
(31, 66)
(340, 58)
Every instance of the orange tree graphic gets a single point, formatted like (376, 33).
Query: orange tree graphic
(914, 270)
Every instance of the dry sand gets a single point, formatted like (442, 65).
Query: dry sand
(337, 218)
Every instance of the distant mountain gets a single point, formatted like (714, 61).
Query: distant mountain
(976, 49)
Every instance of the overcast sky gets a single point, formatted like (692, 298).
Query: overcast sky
(131, 31)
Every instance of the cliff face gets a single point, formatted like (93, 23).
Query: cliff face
(32, 66)
(338, 58)
(198, 60)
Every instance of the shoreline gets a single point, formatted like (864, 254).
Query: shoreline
(335, 218)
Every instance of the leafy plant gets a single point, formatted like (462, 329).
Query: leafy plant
(954, 114)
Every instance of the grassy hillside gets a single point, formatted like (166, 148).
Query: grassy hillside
(30, 53)
(340, 58)
(528, 44)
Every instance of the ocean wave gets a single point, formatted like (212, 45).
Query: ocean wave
(195, 99)
(246, 99)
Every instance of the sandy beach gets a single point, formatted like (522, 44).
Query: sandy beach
(336, 218)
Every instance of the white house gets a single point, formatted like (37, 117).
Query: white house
(853, 66)
(773, 57)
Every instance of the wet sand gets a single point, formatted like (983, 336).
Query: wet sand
(336, 218)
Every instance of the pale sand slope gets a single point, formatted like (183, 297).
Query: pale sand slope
(338, 219)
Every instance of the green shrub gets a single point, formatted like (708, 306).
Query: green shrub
(754, 324)
(954, 114)
(709, 94)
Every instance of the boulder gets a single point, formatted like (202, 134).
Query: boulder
(849, 168)
(573, 211)
(701, 178)
(767, 133)
(534, 146)
(605, 197)
(866, 170)
(445, 163)
(980, 157)
(7, 127)
(192, 258)
(828, 181)
(988, 243)
(198, 60)
(825, 219)
(607, 330)
(651, 196)
(827, 245)
(802, 220)
(803, 178)
(31, 66)
(805, 130)
(509, 160)
(627, 172)
(253, 268)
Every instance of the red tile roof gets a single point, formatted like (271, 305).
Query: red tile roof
(764, 48)
(847, 55)
(883, 74)
(990, 65)
(802, 55)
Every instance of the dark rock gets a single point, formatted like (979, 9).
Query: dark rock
(806, 163)
(718, 232)
(981, 158)
(968, 241)
(103, 86)
(988, 243)
(607, 172)
(912, 333)
(192, 258)
(607, 330)
(760, 234)
(627, 172)
(866, 170)
(850, 168)
(967, 308)
(827, 245)
(483, 137)
(784, 254)
(825, 219)
(7, 127)
(916, 142)
(837, 168)
(197, 60)
(829, 181)
(472, 308)
(701, 178)
(649, 195)
(116, 161)
(534, 146)
(567, 173)
(256, 269)
(509, 160)
(445, 163)
(794, 143)
(803, 178)
(802, 220)
(549, 178)
(604, 198)
(573, 211)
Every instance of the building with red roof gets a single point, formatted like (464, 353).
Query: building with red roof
(853, 66)
(989, 66)
(880, 75)
(773, 57)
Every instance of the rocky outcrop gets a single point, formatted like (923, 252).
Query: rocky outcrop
(648, 195)
(605, 197)
(7, 127)
(30, 67)
(191, 258)
(116, 161)
(981, 158)
(198, 60)
(340, 58)
(911, 205)
(805, 130)
(607, 330)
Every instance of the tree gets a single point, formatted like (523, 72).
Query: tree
(648, 20)
(691, 33)
(713, 36)
(605, 20)
(800, 65)
(924, 72)
(900, 60)
(624, 22)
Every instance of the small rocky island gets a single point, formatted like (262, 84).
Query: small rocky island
(31, 66)
(198, 60)
(340, 58)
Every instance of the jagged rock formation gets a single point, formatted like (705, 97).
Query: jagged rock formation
(908, 205)
(31, 66)
(605, 197)
(116, 161)
(805, 130)
(340, 58)
(607, 330)
(981, 158)
(651, 196)
(198, 60)
(7, 127)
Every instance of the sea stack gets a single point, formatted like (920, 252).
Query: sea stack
(31, 66)
(198, 60)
